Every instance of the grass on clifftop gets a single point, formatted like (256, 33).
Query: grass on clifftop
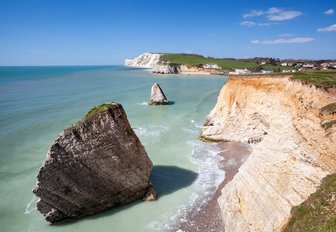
(97, 109)
(318, 78)
(227, 64)
(318, 212)
(194, 60)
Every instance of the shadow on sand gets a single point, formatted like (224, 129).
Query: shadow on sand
(166, 180)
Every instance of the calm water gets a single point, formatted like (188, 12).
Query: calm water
(37, 103)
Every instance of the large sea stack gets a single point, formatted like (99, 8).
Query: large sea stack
(93, 165)
(157, 96)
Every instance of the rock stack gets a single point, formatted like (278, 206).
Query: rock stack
(157, 96)
(92, 166)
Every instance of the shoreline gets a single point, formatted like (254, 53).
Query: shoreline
(208, 216)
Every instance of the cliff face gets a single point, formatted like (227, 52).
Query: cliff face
(293, 128)
(165, 69)
(94, 165)
(152, 60)
(146, 60)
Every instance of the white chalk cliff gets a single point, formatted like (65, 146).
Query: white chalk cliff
(146, 60)
(293, 127)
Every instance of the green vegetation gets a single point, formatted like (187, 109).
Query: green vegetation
(226, 64)
(318, 78)
(195, 60)
(318, 212)
(97, 109)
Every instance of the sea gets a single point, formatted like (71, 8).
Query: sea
(37, 103)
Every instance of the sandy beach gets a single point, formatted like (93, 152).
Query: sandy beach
(208, 218)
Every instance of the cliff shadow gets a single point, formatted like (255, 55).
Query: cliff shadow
(168, 179)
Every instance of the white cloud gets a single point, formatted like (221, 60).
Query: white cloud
(284, 15)
(289, 41)
(329, 12)
(327, 29)
(286, 35)
(255, 41)
(274, 10)
(254, 13)
(248, 23)
(265, 24)
(274, 14)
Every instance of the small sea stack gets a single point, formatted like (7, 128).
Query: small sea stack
(157, 96)
(92, 166)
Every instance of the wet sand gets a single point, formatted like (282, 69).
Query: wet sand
(208, 217)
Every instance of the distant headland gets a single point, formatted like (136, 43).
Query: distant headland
(170, 63)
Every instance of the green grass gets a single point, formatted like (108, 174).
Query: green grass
(194, 60)
(97, 109)
(318, 78)
(318, 212)
(227, 64)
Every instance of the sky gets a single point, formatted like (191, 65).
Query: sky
(104, 32)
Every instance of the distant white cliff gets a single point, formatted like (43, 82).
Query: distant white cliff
(152, 61)
(146, 60)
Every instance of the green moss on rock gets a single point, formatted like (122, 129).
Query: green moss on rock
(97, 109)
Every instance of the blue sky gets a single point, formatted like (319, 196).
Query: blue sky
(68, 32)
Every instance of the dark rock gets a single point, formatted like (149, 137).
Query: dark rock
(94, 165)
(157, 96)
(151, 194)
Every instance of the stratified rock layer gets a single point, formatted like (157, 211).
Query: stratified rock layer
(293, 128)
(157, 96)
(94, 165)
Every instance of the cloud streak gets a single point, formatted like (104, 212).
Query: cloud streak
(284, 15)
(254, 13)
(329, 12)
(330, 28)
(247, 23)
(274, 14)
(252, 24)
(297, 40)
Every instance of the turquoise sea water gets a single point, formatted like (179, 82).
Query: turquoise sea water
(37, 103)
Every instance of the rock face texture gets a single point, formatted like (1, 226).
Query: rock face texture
(293, 129)
(157, 96)
(94, 165)
(146, 60)
(165, 69)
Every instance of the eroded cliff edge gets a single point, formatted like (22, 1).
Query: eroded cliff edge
(293, 128)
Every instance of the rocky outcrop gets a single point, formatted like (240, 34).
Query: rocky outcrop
(293, 129)
(146, 60)
(92, 166)
(157, 96)
(165, 69)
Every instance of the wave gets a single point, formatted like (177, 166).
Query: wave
(150, 133)
(31, 206)
(205, 156)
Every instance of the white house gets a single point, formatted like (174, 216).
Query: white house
(240, 72)
(211, 66)
(308, 66)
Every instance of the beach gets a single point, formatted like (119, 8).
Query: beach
(208, 216)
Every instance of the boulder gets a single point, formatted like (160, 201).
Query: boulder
(157, 96)
(92, 166)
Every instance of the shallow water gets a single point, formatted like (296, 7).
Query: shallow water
(37, 103)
